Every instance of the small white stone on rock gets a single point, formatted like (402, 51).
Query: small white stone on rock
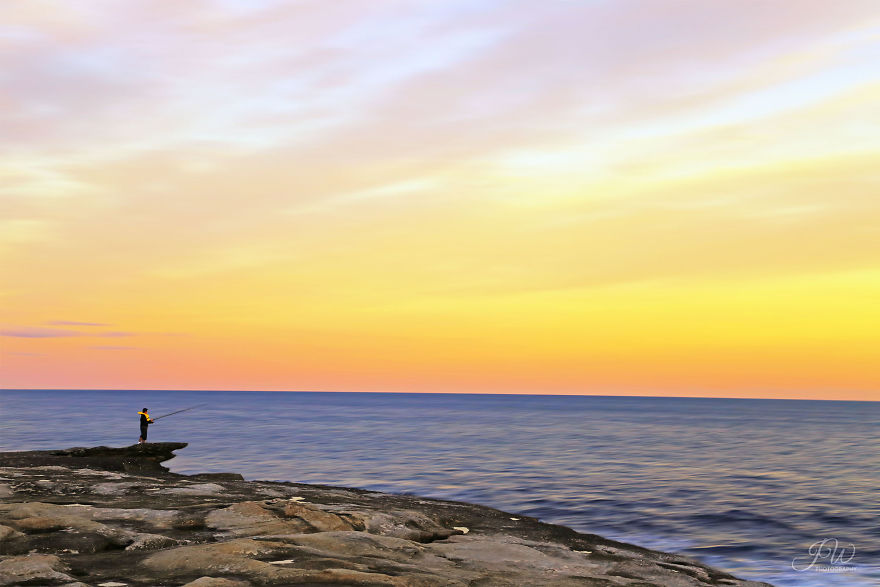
(284, 562)
(112, 584)
(297, 498)
(461, 529)
(515, 519)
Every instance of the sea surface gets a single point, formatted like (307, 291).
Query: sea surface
(745, 485)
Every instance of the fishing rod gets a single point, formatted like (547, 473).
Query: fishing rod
(179, 411)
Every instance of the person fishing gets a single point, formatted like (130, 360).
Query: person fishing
(146, 420)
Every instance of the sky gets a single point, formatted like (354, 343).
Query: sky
(653, 197)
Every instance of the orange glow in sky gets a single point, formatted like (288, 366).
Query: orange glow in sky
(645, 197)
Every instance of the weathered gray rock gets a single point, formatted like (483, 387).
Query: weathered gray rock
(409, 525)
(113, 488)
(216, 582)
(251, 518)
(152, 542)
(241, 556)
(34, 569)
(7, 533)
(197, 489)
(43, 518)
(318, 520)
(157, 519)
(137, 458)
(115, 516)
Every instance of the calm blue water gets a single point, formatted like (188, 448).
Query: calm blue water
(745, 485)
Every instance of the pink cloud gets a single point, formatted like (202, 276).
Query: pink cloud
(42, 332)
(38, 332)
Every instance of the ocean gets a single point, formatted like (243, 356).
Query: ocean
(781, 491)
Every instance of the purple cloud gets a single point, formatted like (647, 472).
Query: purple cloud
(43, 332)
(74, 323)
(17, 354)
(39, 332)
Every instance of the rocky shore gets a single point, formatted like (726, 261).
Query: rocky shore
(111, 517)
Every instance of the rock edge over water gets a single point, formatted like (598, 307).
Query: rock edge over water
(116, 516)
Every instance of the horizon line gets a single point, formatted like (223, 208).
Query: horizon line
(445, 393)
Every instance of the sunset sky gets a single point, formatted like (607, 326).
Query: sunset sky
(653, 197)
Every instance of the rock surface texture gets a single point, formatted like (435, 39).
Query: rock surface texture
(111, 517)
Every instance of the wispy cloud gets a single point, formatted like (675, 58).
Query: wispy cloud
(74, 323)
(37, 332)
(43, 332)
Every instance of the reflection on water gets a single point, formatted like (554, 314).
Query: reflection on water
(746, 485)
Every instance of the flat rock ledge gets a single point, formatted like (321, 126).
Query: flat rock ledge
(114, 517)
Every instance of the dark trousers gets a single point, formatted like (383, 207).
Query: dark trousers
(144, 431)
